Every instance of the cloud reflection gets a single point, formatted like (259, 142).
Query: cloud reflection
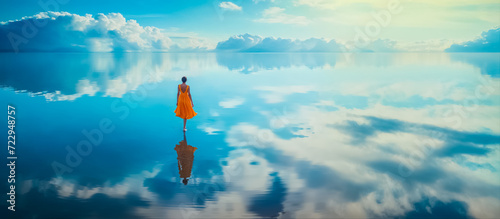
(247, 62)
(340, 139)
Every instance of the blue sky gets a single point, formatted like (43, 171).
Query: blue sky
(437, 24)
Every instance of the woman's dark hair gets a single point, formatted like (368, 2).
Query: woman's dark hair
(184, 79)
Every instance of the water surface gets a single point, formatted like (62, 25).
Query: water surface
(277, 135)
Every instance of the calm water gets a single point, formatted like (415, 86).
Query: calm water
(277, 135)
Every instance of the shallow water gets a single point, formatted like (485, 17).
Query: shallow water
(277, 135)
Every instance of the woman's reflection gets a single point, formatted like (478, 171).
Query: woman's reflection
(185, 156)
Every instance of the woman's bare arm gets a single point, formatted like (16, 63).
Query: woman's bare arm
(176, 103)
(189, 92)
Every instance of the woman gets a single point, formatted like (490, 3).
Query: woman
(184, 102)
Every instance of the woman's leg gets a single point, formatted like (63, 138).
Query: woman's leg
(185, 123)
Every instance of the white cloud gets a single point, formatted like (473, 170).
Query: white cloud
(66, 32)
(255, 43)
(489, 41)
(230, 6)
(83, 87)
(210, 129)
(63, 31)
(278, 15)
(239, 42)
(257, 1)
(257, 176)
(232, 103)
(278, 94)
(373, 45)
(214, 113)
(333, 148)
(484, 207)
(117, 77)
(381, 45)
(437, 45)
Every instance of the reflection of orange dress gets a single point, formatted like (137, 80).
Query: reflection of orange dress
(185, 156)
(184, 107)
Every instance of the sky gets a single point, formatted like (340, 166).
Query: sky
(437, 24)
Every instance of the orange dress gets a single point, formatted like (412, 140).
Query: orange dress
(184, 106)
